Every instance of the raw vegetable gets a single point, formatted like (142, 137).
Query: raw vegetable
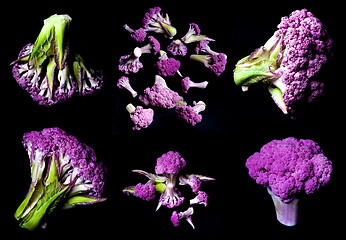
(50, 71)
(290, 169)
(289, 63)
(165, 182)
(65, 173)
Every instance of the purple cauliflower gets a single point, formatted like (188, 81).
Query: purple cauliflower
(289, 168)
(152, 47)
(201, 198)
(167, 178)
(177, 48)
(191, 114)
(289, 62)
(167, 66)
(177, 216)
(216, 63)
(124, 83)
(145, 191)
(131, 63)
(203, 47)
(160, 95)
(50, 71)
(194, 34)
(154, 21)
(194, 181)
(138, 35)
(65, 173)
(187, 83)
(140, 117)
(170, 163)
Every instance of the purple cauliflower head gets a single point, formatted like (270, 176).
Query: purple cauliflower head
(167, 66)
(191, 114)
(145, 191)
(289, 62)
(290, 167)
(140, 117)
(64, 173)
(160, 95)
(139, 35)
(170, 162)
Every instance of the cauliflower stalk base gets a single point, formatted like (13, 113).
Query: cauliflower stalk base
(286, 213)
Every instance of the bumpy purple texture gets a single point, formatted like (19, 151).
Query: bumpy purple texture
(142, 117)
(170, 163)
(153, 15)
(160, 96)
(139, 35)
(168, 67)
(57, 142)
(307, 47)
(218, 63)
(188, 114)
(175, 219)
(154, 45)
(145, 191)
(289, 167)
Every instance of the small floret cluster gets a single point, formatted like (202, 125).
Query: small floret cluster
(289, 168)
(50, 71)
(65, 173)
(155, 30)
(164, 183)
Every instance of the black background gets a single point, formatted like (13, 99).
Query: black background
(235, 124)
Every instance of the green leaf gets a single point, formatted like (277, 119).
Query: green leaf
(50, 41)
(34, 219)
(50, 75)
(81, 200)
(278, 99)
